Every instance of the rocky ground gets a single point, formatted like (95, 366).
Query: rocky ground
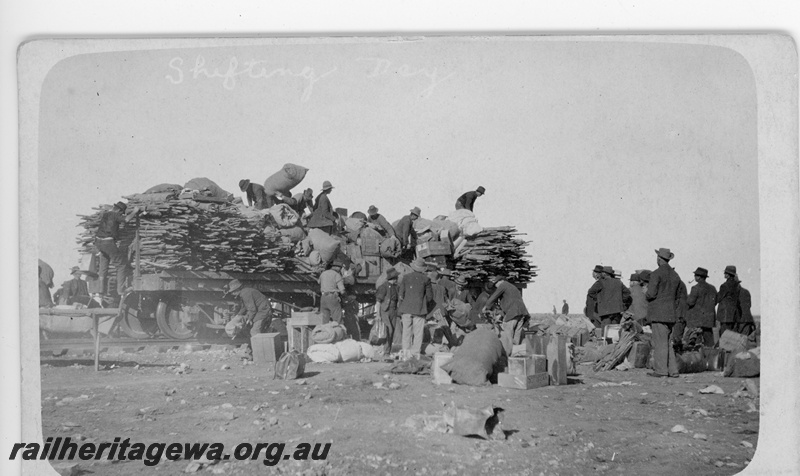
(615, 422)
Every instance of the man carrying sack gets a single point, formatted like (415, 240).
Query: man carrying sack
(255, 311)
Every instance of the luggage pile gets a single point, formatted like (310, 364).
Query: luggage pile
(495, 252)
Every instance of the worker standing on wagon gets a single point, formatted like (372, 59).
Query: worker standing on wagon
(106, 239)
(323, 217)
(256, 311)
(256, 194)
(379, 222)
(406, 233)
(467, 200)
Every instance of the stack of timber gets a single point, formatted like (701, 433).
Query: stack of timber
(495, 252)
(192, 235)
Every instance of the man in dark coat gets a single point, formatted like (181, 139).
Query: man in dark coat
(105, 241)
(638, 301)
(565, 308)
(46, 276)
(323, 216)
(746, 324)
(255, 311)
(406, 234)
(414, 294)
(590, 310)
(73, 290)
(467, 200)
(379, 222)
(515, 314)
(728, 301)
(681, 308)
(256, 195)
(386, 304)
(662, 296)
(612, 297)
(701, 302)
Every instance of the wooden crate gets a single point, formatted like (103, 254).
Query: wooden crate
(639, 354)
(434, 248)
(299, 337)
(522, 382)
(308, 318)
(370, 246)
(527, 365)
(267, 348)
(556, 353)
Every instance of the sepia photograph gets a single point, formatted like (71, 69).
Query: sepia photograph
(424, 255)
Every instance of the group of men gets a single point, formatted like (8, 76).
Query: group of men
(660, 298)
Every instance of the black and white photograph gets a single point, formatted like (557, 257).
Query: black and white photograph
(422, 255)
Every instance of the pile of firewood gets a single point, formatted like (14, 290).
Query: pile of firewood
(192, 235)
(495, 252)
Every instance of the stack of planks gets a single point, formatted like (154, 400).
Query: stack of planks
(190, 235)
(495, 252)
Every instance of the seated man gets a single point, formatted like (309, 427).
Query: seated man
(73, 290)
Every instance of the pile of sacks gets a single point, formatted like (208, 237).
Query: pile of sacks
(347, 350)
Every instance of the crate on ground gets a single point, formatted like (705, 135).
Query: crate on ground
(527, 365)
(732, 341)
(267, 348)
(522, 382)
(554, 347)
(308, 318)
(578, 335)
(439, 375)
(434, 248)
(299, 337)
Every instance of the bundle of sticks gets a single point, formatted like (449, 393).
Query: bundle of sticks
(189, 235)
(495, 252)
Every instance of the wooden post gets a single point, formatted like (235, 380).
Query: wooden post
(96, 342)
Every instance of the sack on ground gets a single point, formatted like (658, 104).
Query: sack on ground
(323, 353)
(328, 333)
(476, 359)
(290, 366)
(349, 349)
(285, 179)
(744, 364)
(367, 351)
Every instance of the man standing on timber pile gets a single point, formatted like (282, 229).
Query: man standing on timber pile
(662, 297)
(255, 311)
(515, 314)
(73, 290)
(638, 301)
(379, 223)
(386, 304)
(590, 311)
(700, 303)
(256, 195)
(746, 325)
(565, 308)
(612, 297)
(467, 200)
(406, 234)
(414, 294)
(323, 217)
(331, 287)
(728, 301)
(105, 241)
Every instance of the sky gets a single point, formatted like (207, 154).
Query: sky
(600, 152)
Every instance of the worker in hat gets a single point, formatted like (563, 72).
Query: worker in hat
(515, 314)
(564, 308)
(379, 222)
(638, 301)
(349, 300)
(255, 312)
(414, 294)
(331, 287)
(745, 325)
(612, 297)
(405, 233)
(728, 301)
(590, 310)
(467, 200)
(700, 303)
(323, 216)
(386, 298)
(106, 242)
(441, 298)
(299, 202)
(256, 195)
(73, 290)
(663, 299)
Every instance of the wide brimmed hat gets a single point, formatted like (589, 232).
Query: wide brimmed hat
(326, 185)
(480, 190)
(494, 279)
(121, 206)
(372, 210)
(461, 281)
(445, 272)
(635, 277)
(392, 273)
(701, 272)
(730, 269)
(74, 270)
(416, 211)
(243, 184)
(644, 276)
(234, 285)
(665, 253)
(419, 265)
(608, 270)
(597, 269)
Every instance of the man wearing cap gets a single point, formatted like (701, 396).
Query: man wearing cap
(638, 301)
(414, 294)
(256, 194)
(727, 301)
(590, 310)
(386, 304)
(405, 233)
(255, 310)
(323, 216)
(331, 287)
(515, 314)
(379, 222)
(467, 200)
(663, 297)
(612, 297)
(745, 325)
(73, 290)
(700, 303)
(106, 243)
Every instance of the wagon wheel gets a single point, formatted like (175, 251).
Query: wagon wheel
(135, 323)
(170, 322)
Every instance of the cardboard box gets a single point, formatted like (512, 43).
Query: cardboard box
(439, 375)
(267, 348)
(522, 382)
(527, 365)
(434, 248)
(299, 337)
(307, 318)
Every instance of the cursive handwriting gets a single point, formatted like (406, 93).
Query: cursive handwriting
(253, 69)
(383, 66)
